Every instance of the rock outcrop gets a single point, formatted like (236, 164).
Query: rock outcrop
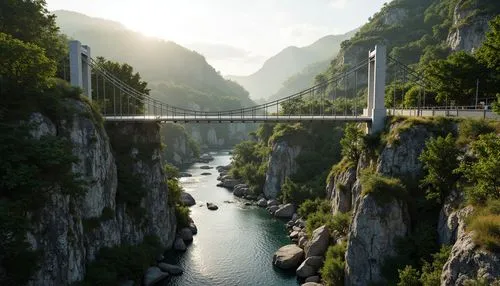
(62, 229)
(372, 237)
(288, 257)
(281, 164)
(339, 191)
(467, 260)
(469, 27)
(318, 244)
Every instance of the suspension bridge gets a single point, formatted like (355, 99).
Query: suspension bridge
(356, 94)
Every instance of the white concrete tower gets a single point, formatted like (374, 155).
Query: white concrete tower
(80, 71)
(376, 88)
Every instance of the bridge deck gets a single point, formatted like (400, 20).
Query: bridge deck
(235, 118)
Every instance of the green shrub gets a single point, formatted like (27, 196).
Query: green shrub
(124, 262)
(311, 206)
(470, 129)
(318, 219)
(431, 272)
(409, 276)
(295, 193)
(337, 224)
(482, 170)
(383, 188)
(439, 159)
(332, 271)
(182, 215)
(352, 142)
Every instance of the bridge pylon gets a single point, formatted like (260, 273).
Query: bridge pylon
(80, 71)
(377, 68)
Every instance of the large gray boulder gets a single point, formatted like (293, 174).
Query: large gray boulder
(187, 199)
(273, 202)
(230, 183)
(310, 266)
(285, 211)
(318, 244)
(193, 228)
(170, 269)
(179, 244)
(467, 260)
(311, 284)
(154, 275)
(273, 209)
(314, 279)
(288, 257)
(262, 203)
(186, 234)
(372, 238)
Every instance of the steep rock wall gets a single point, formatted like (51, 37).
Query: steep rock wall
(69, 231)
(281, 164)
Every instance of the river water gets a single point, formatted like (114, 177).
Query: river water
(235, 244)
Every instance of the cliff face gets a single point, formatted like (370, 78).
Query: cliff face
(217, 136)
(469, 27)
(69, 231)
(281, 164)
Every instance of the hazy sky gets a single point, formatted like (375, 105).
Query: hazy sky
(236, 36)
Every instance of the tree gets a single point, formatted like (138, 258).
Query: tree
(352, 142)
(322, 81)
(488, 54)
(114, 99)
(24, 69)
(30, 21)
(455, 78)
(440, 158)
(409, 276)
(482, 171)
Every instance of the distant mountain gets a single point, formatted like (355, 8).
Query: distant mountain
(175, 74)
(292, 60)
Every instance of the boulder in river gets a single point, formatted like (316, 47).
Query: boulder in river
(179, 244)
(310, 266)
(230, 183)
(154, 275)
(288, 257)
(184, 175)
(206, 167)
(186, 234)
(318, 244)
(311, 284)
(212, 207)
(170, 269)
(193, 228)
(187, 199)
(314, 279)
(271, 203)
(206, 174)
(273, 209)
(285, 211)
(262, 203)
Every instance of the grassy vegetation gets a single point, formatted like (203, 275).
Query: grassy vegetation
(384, 189)
(332, 271)
(485, 223)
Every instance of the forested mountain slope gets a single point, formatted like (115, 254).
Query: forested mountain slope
(290, 61)
(175, 74)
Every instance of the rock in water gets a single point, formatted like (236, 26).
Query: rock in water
(206, 174)
(262, 203)
(310, 266)
(318, 244)
(311, 284)
(186, 234)
(314, 279)
(179, 244)
(206, 167)
(154, 275)
(288, 257)
(187, 199)
(193, 228)
(212, 207)
(285, 211)
(271, 203)
(170, 269)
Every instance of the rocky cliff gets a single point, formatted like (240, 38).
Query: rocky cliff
(219, 136)
(69, 231)
(281, 164)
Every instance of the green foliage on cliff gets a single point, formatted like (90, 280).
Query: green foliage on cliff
(439, 159)
(121, 263)
(431, 271)
(383, 188)
(332, 271)
(249, 163)
(485, 223)
(174, 196)
(352, 143)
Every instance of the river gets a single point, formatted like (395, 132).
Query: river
(235, 244)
